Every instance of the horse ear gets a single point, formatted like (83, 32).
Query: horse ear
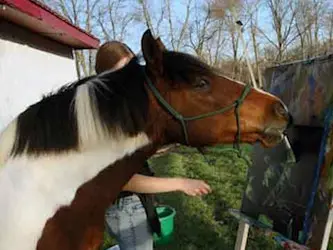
(152, 50)
(160, 44)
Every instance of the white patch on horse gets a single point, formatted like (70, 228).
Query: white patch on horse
(91, 130)
(266, 93)
(33, 188)
(7, 140)
(256, 89)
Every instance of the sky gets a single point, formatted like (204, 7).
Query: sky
(178, 11)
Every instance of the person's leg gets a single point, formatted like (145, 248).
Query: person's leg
(127, 222)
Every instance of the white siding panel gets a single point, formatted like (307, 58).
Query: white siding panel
(29, 70)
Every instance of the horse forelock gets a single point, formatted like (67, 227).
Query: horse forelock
(181, 66)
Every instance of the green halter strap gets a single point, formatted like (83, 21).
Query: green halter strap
(183, 120)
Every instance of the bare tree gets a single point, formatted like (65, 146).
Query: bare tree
(82, 14)
(215, 46)
(302, 25)
(329, 28)
(252, 12)
(207, 28)
(177, 37)
(234, 43)
(199, 29)
(114, 19)
(151, 19)
(233, 11)
(283, 15)
(307, 22)
(227, 10)
(319, 8)
(147, 16)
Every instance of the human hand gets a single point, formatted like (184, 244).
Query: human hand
(193, 187)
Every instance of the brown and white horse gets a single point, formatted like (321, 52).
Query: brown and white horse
(66, 158)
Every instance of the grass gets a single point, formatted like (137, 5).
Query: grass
(204, 222)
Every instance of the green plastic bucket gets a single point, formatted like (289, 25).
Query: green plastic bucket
(166, 215)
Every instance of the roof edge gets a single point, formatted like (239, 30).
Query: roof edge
(53, 20)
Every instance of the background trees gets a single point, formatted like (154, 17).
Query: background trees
(275, 31)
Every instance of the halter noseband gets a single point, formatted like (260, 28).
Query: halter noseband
(183, 120)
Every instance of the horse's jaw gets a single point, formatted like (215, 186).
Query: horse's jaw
(272, 136)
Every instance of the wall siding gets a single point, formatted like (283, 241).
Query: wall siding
(30, 66)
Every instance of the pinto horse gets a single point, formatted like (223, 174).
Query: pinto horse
(66, 157)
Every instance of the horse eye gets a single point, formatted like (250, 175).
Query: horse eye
(201, 84)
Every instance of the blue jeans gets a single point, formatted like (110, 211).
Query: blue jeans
(127, 222)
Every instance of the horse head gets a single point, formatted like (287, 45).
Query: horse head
(198, 106)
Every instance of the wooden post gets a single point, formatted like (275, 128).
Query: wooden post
(328, 227)
(242, 233)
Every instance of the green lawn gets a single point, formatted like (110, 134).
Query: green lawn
(204, 223)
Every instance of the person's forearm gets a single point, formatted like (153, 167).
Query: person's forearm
(148, 185)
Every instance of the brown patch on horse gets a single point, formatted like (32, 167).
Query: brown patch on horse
(80, 225)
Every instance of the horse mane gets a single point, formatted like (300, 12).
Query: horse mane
(85, 112)
(183, 67)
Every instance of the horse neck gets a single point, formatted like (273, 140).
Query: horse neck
(159, 123)
(83, 219)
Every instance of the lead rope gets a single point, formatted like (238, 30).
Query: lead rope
(238, 134)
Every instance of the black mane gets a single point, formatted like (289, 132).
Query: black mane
(50, 125)
(183, 67)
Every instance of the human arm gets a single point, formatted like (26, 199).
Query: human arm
(150, 185)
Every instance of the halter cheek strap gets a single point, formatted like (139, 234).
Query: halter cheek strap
(183, 120)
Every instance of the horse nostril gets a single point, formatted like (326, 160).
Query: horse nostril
(281, 110)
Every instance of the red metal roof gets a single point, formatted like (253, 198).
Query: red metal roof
(39, 18)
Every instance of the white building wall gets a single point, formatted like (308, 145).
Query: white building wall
(30, 66)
